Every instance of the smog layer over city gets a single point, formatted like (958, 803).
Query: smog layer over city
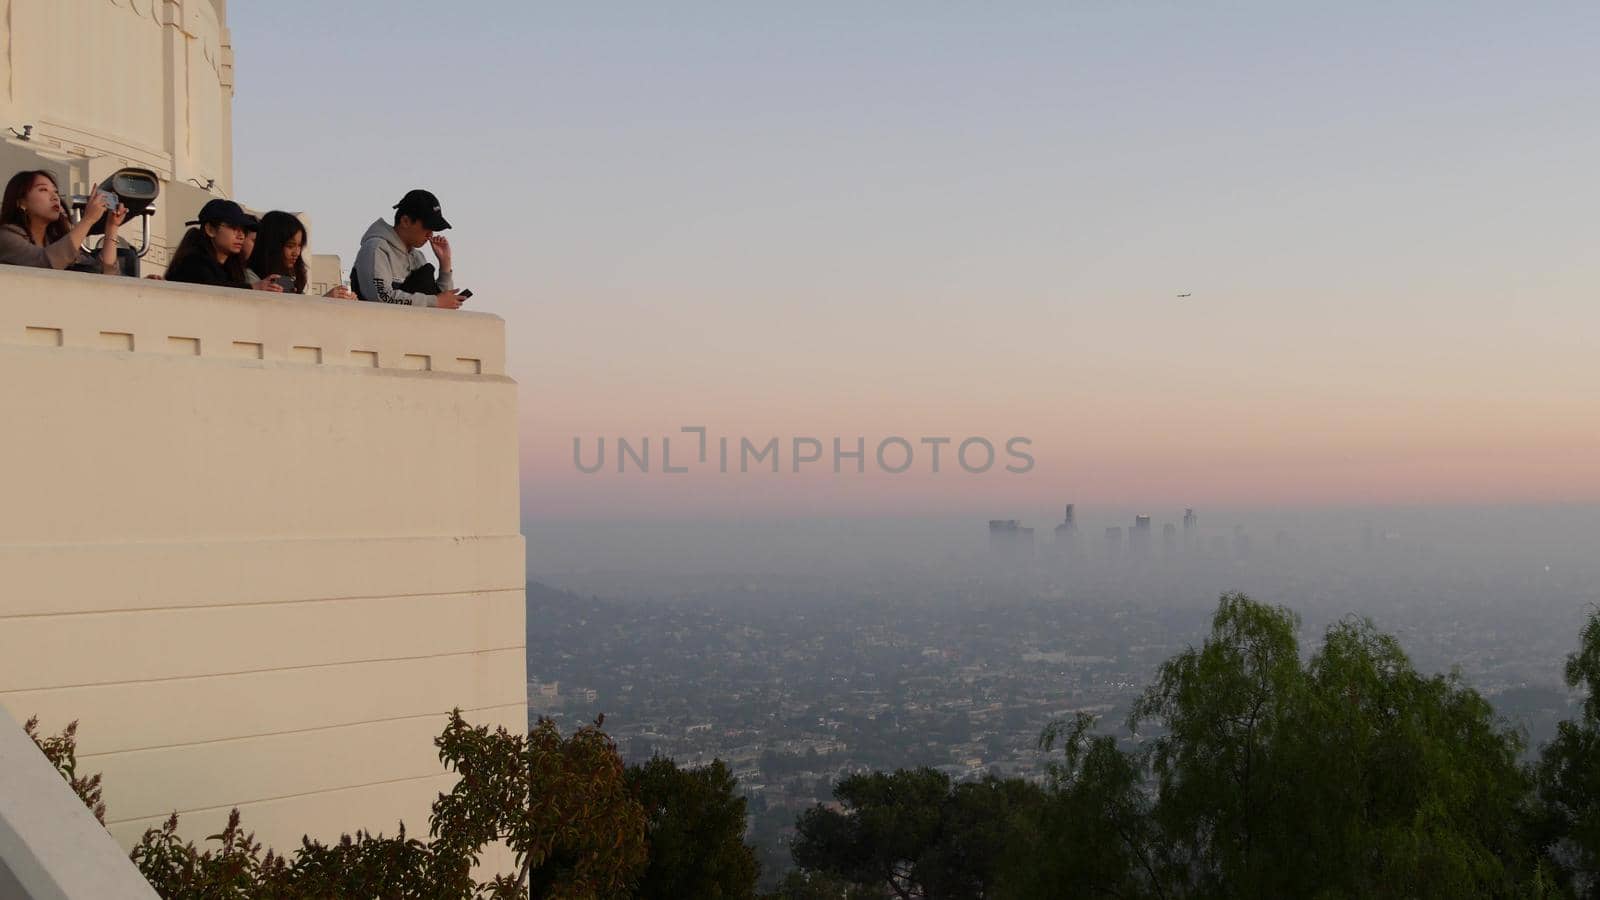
(800, 652)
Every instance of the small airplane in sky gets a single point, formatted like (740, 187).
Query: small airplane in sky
(1181, 296)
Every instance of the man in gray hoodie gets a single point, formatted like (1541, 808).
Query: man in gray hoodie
(390, 254)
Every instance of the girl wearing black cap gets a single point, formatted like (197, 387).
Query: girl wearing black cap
(212, 251)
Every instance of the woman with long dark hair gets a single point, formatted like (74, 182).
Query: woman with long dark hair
(35, 229)
(211, 252)
(279, 256)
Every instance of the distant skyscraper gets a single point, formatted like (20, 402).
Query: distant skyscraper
(1067, 533)
(1114, 544)
(1191, 529)
(1139, 539)
(1001, 533)
(1010, 541)
(1169, 540)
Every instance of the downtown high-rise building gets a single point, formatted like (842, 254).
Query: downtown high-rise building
(1067, 533)
(1114, 544)
(1009, 540)
(1139, 538)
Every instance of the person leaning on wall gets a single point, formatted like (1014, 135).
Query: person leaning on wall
(278, 257)
(212, 251)
(390, 267)
(36, 231)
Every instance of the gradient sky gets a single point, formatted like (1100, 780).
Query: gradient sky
(833, 219)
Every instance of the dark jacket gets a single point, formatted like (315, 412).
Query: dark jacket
(203, 268)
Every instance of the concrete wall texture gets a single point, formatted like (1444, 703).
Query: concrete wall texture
(258, 546)
(170, 106)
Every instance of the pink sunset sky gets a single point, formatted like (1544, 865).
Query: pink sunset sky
(1304, 397)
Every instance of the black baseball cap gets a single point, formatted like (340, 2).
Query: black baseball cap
(225, 212)
(424, 207)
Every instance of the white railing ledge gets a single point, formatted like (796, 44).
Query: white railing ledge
(46, 308)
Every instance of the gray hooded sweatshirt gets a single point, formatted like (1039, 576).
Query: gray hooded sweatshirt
(384, 262)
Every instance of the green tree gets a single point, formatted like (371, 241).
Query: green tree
(1094, 835)
(1415, 783)
(1372, 778)
(889, 822)
(234, 869)
(979, 825)
(914, 834)
(62, 752)
(562, 805)
(1566, 824)
(799, 884)
(1348, 774)
(1222, 707)
(696, 823)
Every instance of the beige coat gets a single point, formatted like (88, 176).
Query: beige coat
(18, 249)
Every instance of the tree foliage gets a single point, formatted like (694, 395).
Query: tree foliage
(562, 805)
(810, 884)
(1095, 830)
(696, 824)
(914, 834)
(1566, 818)
(1259, 772)
(62, 752)
(1371, 776)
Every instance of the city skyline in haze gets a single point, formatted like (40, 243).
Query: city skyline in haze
(835, 221)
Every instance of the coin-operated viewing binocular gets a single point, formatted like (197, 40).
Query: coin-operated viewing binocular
(136, 189)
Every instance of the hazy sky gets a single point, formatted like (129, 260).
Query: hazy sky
(972, 220)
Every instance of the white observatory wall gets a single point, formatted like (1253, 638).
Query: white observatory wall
(257, 547)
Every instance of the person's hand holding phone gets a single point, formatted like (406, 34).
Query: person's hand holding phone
(96, 208)
(270, 285)
(447, 300)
